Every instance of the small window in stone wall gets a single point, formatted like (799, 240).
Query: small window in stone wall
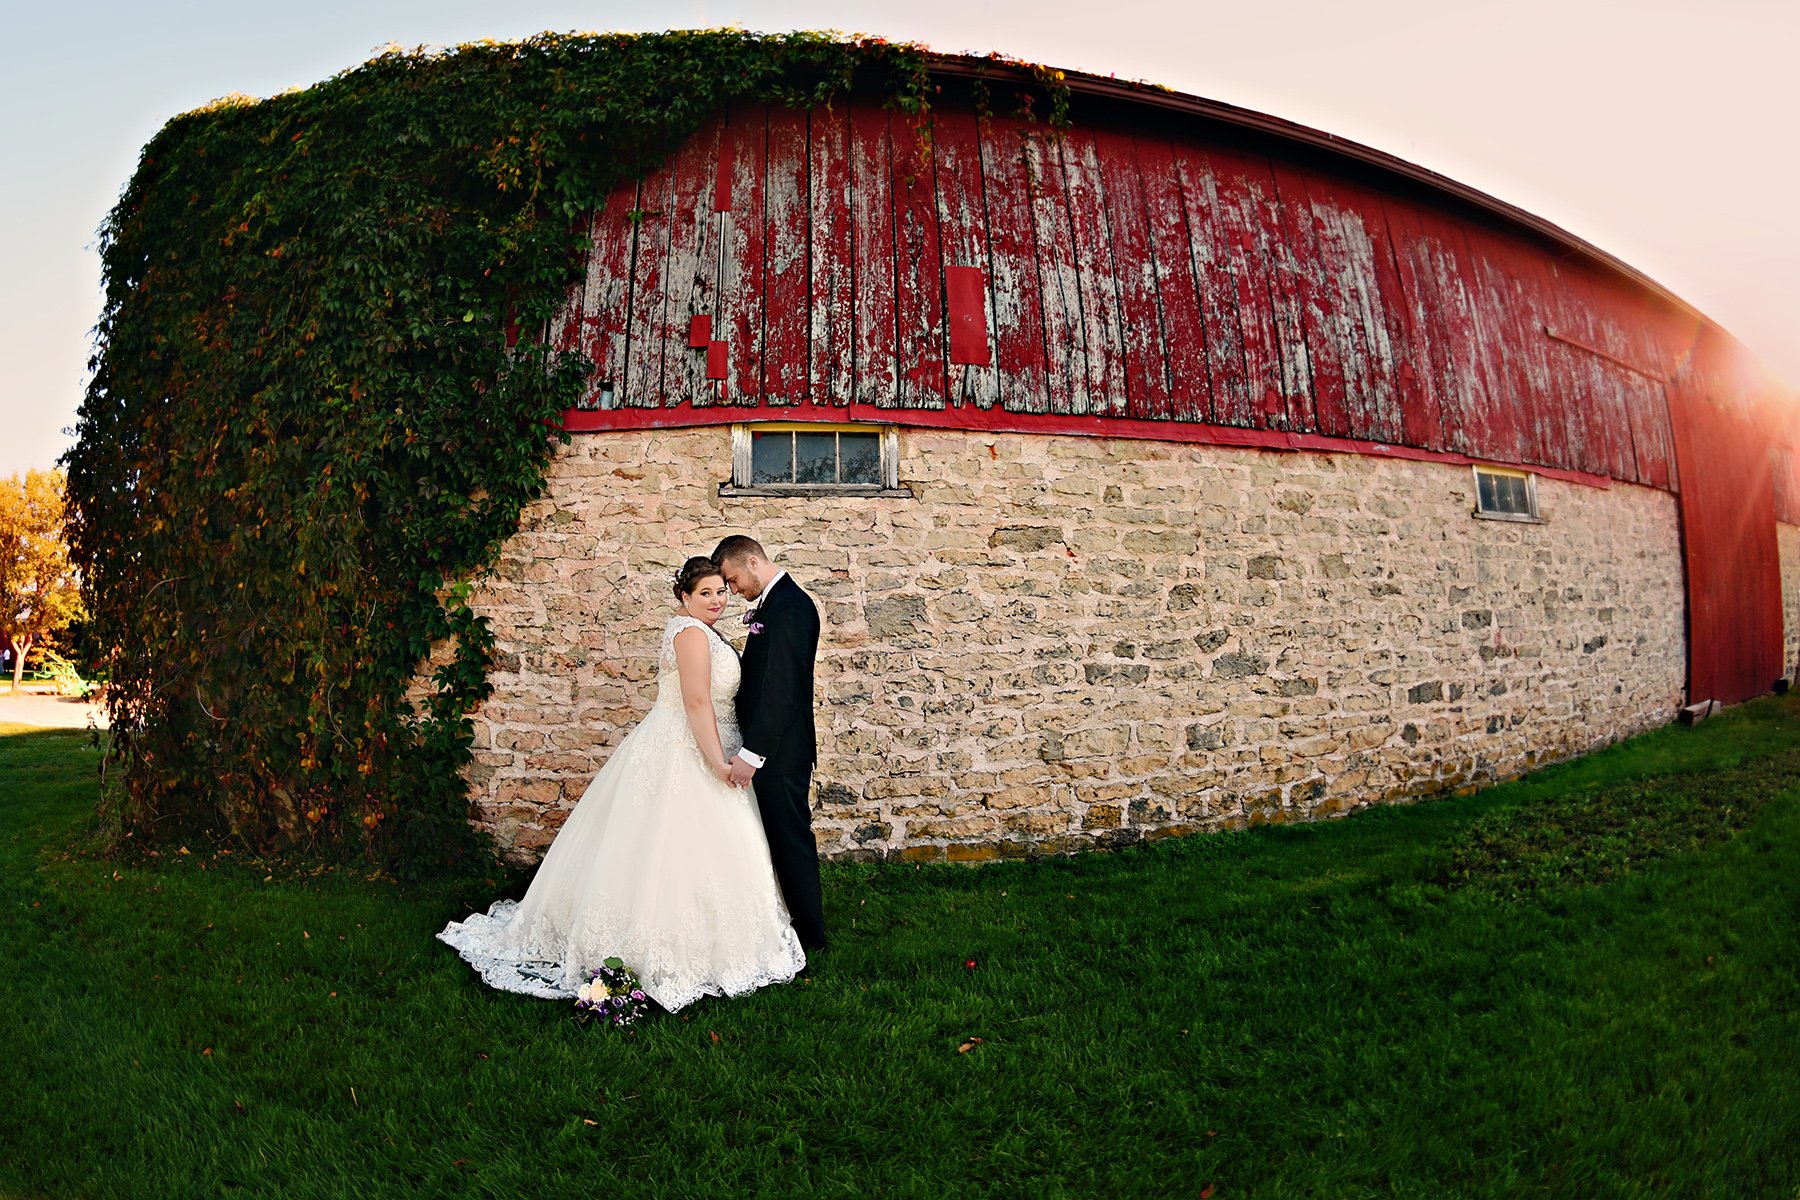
(784, 459)
(1503, 495)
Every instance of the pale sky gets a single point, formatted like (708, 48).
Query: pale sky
(1661, 131)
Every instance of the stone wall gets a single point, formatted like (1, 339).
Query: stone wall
(1063, 642)
(1789, 539)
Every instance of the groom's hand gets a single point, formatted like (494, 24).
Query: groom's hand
(741, 773)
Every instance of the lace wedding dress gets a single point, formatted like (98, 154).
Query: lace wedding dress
(660, 864)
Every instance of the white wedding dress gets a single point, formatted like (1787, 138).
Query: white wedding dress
(660, 864)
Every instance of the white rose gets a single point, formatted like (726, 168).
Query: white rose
(583, 994)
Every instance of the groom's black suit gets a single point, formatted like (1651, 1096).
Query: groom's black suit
(775, 712)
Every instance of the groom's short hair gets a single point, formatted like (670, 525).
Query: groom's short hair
(738, 547)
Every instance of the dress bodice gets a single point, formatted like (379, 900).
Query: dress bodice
(726, 675)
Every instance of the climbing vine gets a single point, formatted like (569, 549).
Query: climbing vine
(308, 428)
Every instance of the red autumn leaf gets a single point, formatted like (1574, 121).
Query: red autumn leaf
(1206, 1192)
(713, 1036)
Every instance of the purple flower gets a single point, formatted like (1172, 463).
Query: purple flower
(755, 627)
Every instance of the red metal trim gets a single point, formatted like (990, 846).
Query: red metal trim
(716, 361)
(995, 420)
(700, 331)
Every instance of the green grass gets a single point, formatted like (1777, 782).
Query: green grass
(1584, 984)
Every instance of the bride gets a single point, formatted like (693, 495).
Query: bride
(662, 863)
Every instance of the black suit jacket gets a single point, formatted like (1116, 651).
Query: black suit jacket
(775, 698)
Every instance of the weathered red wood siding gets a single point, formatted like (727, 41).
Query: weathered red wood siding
(1134, 281)
(1129, 275)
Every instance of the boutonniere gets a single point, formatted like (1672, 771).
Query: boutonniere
(752, 624)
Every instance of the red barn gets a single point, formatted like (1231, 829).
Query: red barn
(1177, 469)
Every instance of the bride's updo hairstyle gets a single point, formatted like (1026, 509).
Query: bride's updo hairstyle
(692, 572)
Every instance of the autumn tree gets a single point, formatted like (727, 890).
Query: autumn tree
(38, 593)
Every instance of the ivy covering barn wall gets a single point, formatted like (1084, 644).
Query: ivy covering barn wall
(306, 429)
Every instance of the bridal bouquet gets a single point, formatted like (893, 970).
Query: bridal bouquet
(611, 995)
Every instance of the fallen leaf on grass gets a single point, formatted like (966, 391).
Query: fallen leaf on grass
(713, 1036)
(589, 1121)
(1206, 1191)
(207, 1052)
(968, 1045)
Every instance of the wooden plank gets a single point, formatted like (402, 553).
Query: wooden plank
(963, 242)
(872, 254)
(1634, 398)
(787, 307)
(922, 339)
(1416, 355)
(1014, 289)
(1652, 438)
(1143, 339)
(1096, 274)
(1272, 249)
(1503, 343)
(1059, 288)
(1309, 266)
(742, 274)
(831, 295)
(692, 274)
(1488, 416)
(1357, 274)
(1590, 402)
(646, 328)
(1646, 408)
(1184, 328)
(1234, 287)
(564, 333)
(1443, 308)
(605, 303)
(1546, 386)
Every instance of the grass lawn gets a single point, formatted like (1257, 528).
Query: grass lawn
(1583, 984)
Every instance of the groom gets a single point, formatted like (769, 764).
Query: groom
(775, 711)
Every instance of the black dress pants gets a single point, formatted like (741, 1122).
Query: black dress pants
(787, 822)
